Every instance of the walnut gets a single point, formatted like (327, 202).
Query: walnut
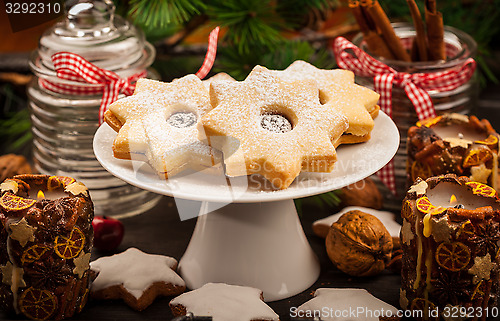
(12, 164)
(363, 193)
(359, 244)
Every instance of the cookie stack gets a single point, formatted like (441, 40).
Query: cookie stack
(274, 123)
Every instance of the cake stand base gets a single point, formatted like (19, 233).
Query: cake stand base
(261, 245)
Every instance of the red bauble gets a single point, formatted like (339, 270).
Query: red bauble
(108, 233)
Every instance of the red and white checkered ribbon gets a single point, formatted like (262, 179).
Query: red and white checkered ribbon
(210, 56)
(415, 85)
(72, 67)
(95, 80)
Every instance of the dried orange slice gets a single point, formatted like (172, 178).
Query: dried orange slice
(83, 300)
(426, 306)
(421, 170)
(69, 247)
(38, 304)
(55, 181)
(429, 122)
(477, 291)
(13, 202)
(481, 189)
(453, 256)
(477, 156)
(466, 229)
(34, 253)
(407, 212)
(424, 205)
(492, 140)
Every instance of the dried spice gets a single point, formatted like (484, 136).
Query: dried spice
(455, 263)
(50, 273)
(40, 242)
(486, 238)
(359, 244)
(451, 288)
(429, 154)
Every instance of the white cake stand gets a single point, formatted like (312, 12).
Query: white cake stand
(252, 235)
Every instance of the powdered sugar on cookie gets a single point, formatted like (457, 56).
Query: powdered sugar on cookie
(225, 303)
(338, 90)
(160, 122)
(235, 127)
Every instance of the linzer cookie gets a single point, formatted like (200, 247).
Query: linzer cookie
(221, 76)
(158, 124)
(328, 301)
(224, 302)
(265, 125)
(45, 245)
(136, 277)
(338, 91)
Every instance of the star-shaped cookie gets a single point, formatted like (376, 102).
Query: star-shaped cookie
(82, 263)
(158, 124)
(265, 125)
(224, 302)
(330, 301)
(23, 232)
(481, 270)
(338, 91)
(136, 277)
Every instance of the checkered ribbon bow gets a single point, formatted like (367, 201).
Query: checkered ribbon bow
(72, 67)
(415, 85)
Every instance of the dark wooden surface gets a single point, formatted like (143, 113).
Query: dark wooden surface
(160, 231)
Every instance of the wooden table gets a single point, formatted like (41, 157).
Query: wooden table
(160, 231)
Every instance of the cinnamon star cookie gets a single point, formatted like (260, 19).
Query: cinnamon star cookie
(224, 302)
(136, 277)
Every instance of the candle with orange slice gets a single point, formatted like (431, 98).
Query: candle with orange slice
(45, 243)
(454, 143)
(450, 240)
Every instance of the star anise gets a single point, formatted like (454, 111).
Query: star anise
(49, 273)
(449, 288)
(57, 209)
(486, 238)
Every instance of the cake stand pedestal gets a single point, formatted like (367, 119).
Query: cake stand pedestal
(252, 235)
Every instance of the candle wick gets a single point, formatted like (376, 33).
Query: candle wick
(459, 206)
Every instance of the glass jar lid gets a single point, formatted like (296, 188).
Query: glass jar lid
(92, 30)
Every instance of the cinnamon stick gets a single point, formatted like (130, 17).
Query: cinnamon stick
(420, 42)
(383, 24)
(435, 31)
(375, 43)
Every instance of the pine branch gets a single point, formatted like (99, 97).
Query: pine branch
(164, 13)
(251, 23)
(238, 65)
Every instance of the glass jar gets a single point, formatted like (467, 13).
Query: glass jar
(459, 47)
(64, 125)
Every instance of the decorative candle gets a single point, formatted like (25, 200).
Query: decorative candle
(450, 240)
(45, 244)
(453, 143)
